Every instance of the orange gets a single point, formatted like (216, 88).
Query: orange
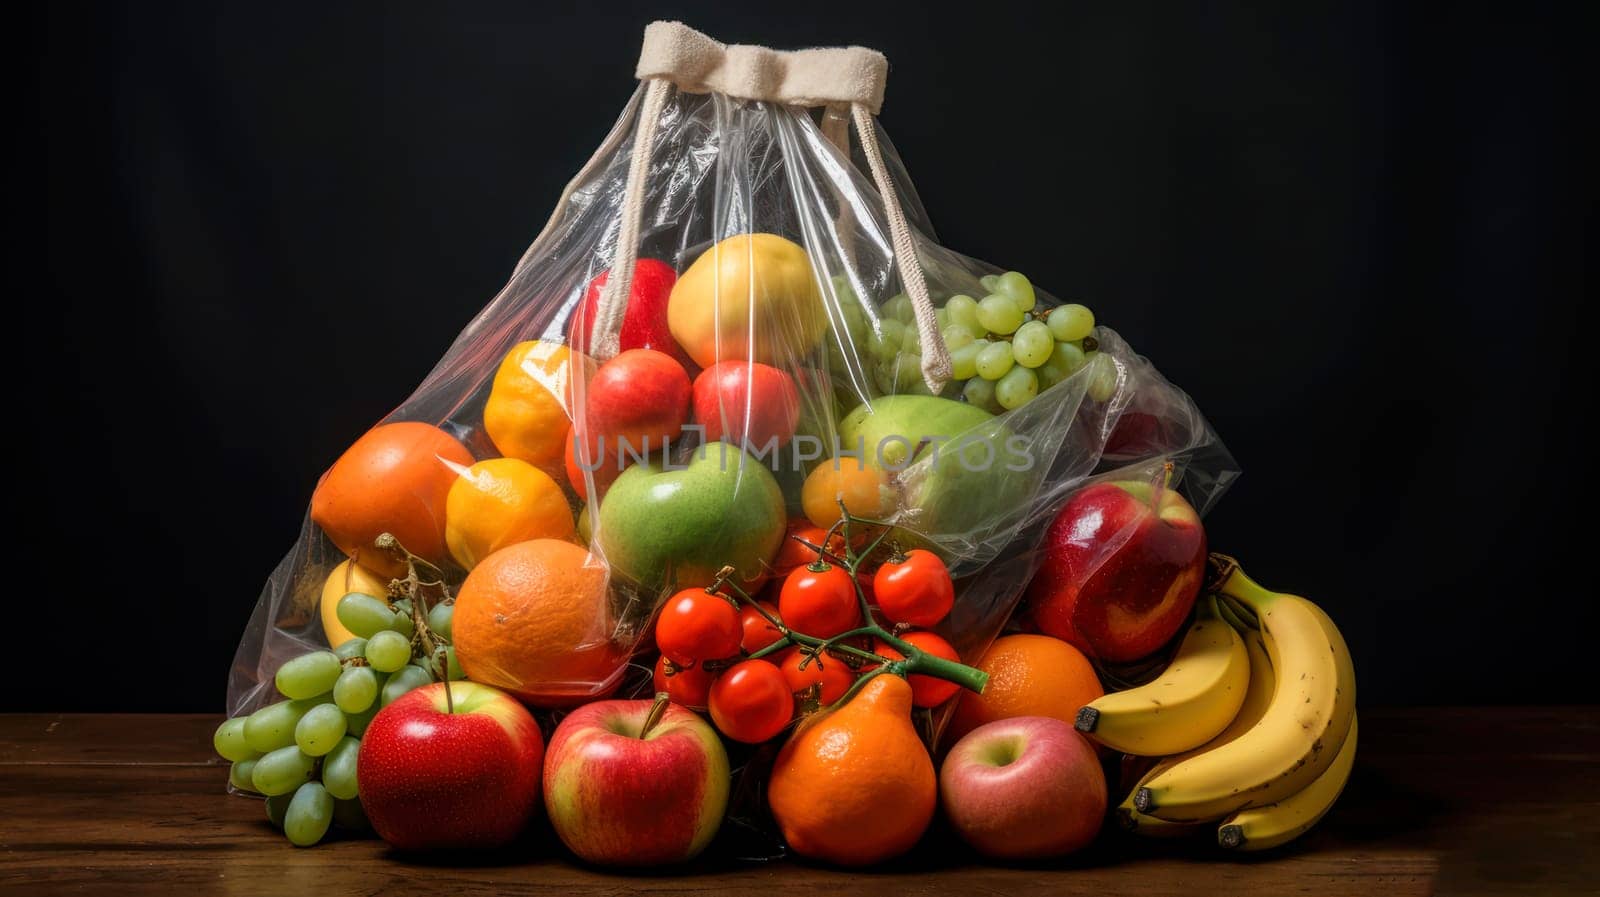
(865, 489)
(528, 409)
(345, 578)
(393, 479)
(535, 619)
(854, 785)
(1029, 675)
(500, 502)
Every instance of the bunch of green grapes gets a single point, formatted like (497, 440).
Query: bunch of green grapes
(1005, 350)
(301, 752)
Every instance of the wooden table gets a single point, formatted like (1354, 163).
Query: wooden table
(1450, 801)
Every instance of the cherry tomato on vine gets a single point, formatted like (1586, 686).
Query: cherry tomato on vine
(819, 601)
(832, 673)
(926, 691)
(751, 701)
(758, 633)
(698, 625)
(914, 588)
(795, 553)
(690, 687)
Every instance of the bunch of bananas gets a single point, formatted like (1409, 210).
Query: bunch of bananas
(1254, 720)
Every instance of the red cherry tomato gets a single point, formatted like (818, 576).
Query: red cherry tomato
(795, 553)
(926, 691)
(698, 625)
(751, 701)
(916, 589)
(819, 602)
(690, 687)
(758, 633)
(833, 674)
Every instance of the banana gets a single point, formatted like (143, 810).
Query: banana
(1189, 704)
(1297, 738)
(1257, 697)
(1259, 828)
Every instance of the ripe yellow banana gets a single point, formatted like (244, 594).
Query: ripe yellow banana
(1259, 828)
(1257, 697)
(1297, 738)
(1189, 704)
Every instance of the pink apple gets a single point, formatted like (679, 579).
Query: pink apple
(1123, 563)
(1028, 787)
(431, 777)
(746, 403)
(633, 404)
(644, 324)
(625, 790)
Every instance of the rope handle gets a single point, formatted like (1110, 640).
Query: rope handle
(675, 55)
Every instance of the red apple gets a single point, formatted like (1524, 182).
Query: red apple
(635, 783)
(644, 324)
(746, 403)
(1123, 563)
(431, 778)
(599, 472)
(1028, 787)
(634, 403)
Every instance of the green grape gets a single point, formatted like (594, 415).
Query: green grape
(980, 393)
(990, 282)
(884, 343)
(1032, 345)
(356, 689)
(994, 360)
(388, 651)
(239, 775)
(855, 324)
(403, 680)
(452, 666)
(1103, 375)
(349, 815)
(277, 805)
(963, 310)
(272, 727)
(403, 624)
(356, 723)
(319, 730)
(1049, 375)
(1016, 388)
(958, 335)
(896, 375)
(964, 361)
(844, 291)
(900, 308)
(351, 648)
(403, 606)
(339, 768)
(282, 771)
(440, 618)
(999, 314)
(1070, 323)
(308, 675)
(364, 615)
(942, 317)
(1013, 284)
(1067, 357)
(230, 742)
(309, 815)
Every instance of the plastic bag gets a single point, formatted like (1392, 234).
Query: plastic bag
(745, 208)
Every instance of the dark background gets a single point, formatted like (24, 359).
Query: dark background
(1354, 233)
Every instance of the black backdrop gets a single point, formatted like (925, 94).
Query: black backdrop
(1353, 233)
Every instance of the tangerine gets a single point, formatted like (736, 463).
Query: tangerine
(864, 489)
(535, 619)
(500, 502)
(1029, 675)
(529, 404)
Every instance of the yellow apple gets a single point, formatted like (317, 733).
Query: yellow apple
(751, 297)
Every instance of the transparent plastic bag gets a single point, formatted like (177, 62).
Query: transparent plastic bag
(753, 209)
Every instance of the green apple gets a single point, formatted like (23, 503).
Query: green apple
(673, 527)
(965, 474)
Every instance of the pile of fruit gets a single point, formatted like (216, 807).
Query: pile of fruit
(582, 518)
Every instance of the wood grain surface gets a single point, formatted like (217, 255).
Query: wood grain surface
(1500, 801)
